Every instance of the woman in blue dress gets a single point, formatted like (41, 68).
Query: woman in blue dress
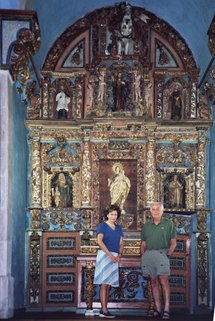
(110, 241)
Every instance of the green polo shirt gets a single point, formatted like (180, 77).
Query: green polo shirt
(158, 237)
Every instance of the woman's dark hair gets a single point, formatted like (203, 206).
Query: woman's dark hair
(111, 208)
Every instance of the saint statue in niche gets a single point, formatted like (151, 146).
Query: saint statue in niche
(119, 92)
(176, 104)
(119, 186)
(62, 104)
(61, 191)
(175, 193)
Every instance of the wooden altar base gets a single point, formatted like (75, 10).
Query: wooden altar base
(61, 316)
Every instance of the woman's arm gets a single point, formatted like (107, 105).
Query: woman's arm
(104, 248)
(121, 245)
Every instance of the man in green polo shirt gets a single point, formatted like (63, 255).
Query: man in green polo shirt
(158, 242)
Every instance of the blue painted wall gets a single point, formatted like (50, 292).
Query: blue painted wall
(191, 18)
(19, 198)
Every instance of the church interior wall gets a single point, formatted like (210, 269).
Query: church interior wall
(6, 235)
(39, 136)
(18, 160)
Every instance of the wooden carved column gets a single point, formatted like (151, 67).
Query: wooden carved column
(201, 172)
(36, 174)
(35, 233)
(150, 177)
(86, 175)
(202, 260)
(34, 267)
(193, 101)
(89, 287)
(45, 86)
(202, 231)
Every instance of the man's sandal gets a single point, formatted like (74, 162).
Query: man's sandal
(157, 314)
(166, 315)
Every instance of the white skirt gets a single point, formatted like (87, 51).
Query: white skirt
(106, 271)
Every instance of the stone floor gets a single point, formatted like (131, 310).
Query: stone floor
(61, 316)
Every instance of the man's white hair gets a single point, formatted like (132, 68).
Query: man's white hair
(157, 203)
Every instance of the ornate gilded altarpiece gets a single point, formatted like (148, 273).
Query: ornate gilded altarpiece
(117, 100)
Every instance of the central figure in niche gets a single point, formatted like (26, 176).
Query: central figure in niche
(119, 185)
(119, 92)
(62, 191)
(175, 193)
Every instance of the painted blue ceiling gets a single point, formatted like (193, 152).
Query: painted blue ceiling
(12, 4)
(191, 18)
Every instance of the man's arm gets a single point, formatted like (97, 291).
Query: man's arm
(172, 246)
(142, 247)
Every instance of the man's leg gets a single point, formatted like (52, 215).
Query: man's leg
(164, 281)
(156, 292)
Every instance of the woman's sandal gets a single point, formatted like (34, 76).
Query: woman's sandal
(150, 313)
(166, 315)
(153, 314)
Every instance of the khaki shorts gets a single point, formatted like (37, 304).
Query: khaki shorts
(155, 262)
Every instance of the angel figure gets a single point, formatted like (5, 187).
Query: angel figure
(102, 85)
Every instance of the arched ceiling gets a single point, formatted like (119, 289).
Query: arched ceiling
(191, 18)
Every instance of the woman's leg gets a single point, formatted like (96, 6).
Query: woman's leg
(107, 295)
(104, 294)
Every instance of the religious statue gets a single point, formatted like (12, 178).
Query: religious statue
(57, 197)
(61, 192)
(90, 93)
(176, 104)
(124, 39)
(175, 193)
(119, 185)
(102, 84)
(119, 92)
(137, 87)
(62, 104)
(148, 98)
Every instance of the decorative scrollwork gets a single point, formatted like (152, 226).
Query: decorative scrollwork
(34, 267)
(202, 270)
